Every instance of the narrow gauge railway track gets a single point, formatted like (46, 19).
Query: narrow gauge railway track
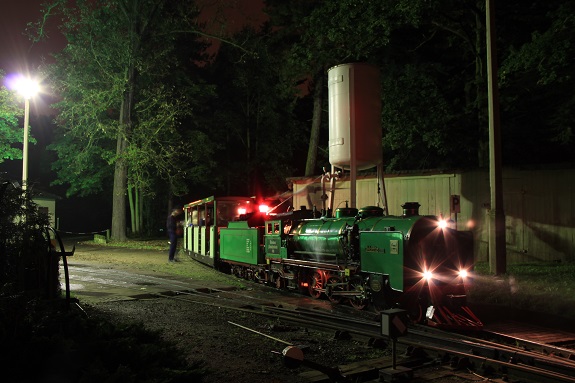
(487, 355)
(130, 286)
(483, 356)
(558, 343)
(491, 356)
(126, 285)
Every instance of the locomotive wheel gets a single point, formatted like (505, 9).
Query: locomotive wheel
(356, 284)
(237, 272)
(315, 285)
(330, 290)
(280, 282)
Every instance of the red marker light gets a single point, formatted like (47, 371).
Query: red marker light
(264, 208)
(242, 210)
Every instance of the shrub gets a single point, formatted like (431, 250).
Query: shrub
(28, 263)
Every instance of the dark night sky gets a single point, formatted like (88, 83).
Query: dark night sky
(19, 55)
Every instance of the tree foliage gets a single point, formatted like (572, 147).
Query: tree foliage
(10, 132)
(122, 102)
(433, 64)
(537, 79)
(253, 116)
(323, 33)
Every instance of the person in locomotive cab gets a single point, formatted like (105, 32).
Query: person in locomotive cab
(172, 227)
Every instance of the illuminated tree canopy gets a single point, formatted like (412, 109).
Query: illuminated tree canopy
(10, 130)
(125, 91)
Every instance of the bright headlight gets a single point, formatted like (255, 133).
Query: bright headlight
(442, 224)
(428, 275)
(463, 273)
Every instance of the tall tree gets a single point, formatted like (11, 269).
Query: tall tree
(253, 115)
(537, 80)
(119, 100)
(433, 88)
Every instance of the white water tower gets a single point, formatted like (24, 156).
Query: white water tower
(354, 93)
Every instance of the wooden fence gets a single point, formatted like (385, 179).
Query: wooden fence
(539, 206)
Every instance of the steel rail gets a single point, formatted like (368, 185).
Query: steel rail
(496, 354)
(508, 351)
(549, 349)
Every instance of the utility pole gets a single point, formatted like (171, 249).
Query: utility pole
(497, 247)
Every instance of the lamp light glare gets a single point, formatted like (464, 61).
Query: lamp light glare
(26, 87)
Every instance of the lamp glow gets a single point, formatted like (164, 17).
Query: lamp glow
(27, 88)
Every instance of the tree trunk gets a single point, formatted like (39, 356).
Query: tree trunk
(138, 210)
(141, 215)
(315, 126)
(132, 208)
(135, 209)
(121, 170)
(119, 194)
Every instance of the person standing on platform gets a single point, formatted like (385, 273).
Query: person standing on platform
(171, 227)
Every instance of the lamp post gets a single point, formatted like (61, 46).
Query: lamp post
(27, 88)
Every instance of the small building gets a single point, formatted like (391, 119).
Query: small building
(46, 204)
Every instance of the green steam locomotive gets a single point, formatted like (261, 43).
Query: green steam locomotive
(357, 256)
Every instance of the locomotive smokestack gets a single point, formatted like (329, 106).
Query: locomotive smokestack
(410, 209)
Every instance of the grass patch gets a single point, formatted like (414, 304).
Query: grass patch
(151, 255)
(543, 287)
(141, 244)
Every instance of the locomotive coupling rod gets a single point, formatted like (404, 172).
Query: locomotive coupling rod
(260, 333)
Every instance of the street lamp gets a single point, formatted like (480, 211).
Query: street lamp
(27, 88)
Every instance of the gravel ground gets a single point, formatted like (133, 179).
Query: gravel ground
(230, 353)
(203, 333)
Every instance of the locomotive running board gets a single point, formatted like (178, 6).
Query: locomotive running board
(442, 317)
